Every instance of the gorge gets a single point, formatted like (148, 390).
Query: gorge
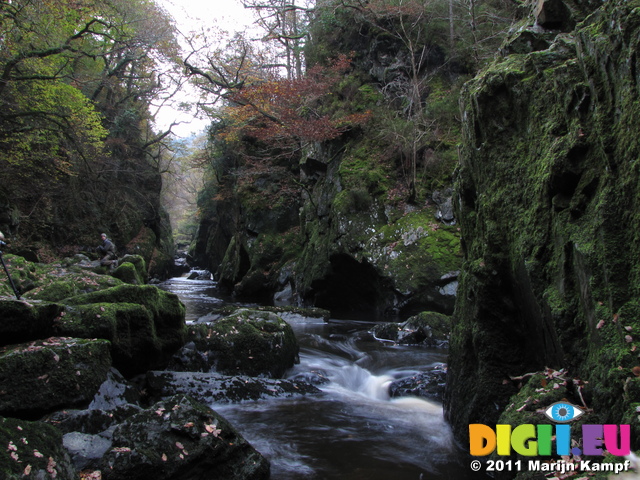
(474, 162)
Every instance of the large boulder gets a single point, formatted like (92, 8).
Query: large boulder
(43, 376)
(33, 450)
(178, 439)
(146, 325)
(129, 327)
(248, 342)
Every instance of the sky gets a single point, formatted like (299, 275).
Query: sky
(191, 15)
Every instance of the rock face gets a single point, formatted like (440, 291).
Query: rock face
(549, 206)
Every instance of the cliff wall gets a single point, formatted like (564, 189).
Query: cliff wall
(548, 200)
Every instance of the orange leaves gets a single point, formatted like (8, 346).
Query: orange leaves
(291, 109)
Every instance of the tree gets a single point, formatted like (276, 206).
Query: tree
(77, 79)
(285, 23)
(287, 113)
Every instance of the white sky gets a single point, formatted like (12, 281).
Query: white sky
(193, 15)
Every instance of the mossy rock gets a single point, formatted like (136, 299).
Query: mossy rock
(427, 328)
(167, 309)
(248, 342)
(21, 321)
(51, 374)
(129, 327)
(146, 325)
(51, 282)
(140, 264)
(24, 274)
(128, 273)
(33, 450)
(180, 438)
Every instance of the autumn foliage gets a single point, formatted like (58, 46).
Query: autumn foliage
(287, 110)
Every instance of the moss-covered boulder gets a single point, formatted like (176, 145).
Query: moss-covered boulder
(43, 376)
(33, 450)
(248, 342)
(131, 269)
(429, 329)
(22, 321)
(129, 327)
(178, 439)
(144, 324)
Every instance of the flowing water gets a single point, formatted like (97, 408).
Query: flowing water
(353, 430)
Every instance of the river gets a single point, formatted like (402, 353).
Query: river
(353, 430)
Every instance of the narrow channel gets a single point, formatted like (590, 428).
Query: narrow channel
(353, 430)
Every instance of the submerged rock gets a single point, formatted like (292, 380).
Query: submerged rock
(178, 439)
(429, 384)
(430, 329)
(215, 388)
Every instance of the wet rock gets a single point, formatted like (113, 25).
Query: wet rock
(85, 450)
(199, 275)
(178, 439)
(429, 384)
(91, 421)
(430, 329)
(46, 375)
(215, 388)
(113, 392)
(314, 377)
(248, 342)
(33, 450)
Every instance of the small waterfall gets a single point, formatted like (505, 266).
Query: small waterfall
(353, 430)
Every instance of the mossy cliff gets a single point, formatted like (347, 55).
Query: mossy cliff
(343, 223)
(549, 208)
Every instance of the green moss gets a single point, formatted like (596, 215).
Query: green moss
(252, 342)
(549, 171)
(55, 373)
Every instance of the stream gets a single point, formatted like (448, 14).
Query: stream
(353, 431)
